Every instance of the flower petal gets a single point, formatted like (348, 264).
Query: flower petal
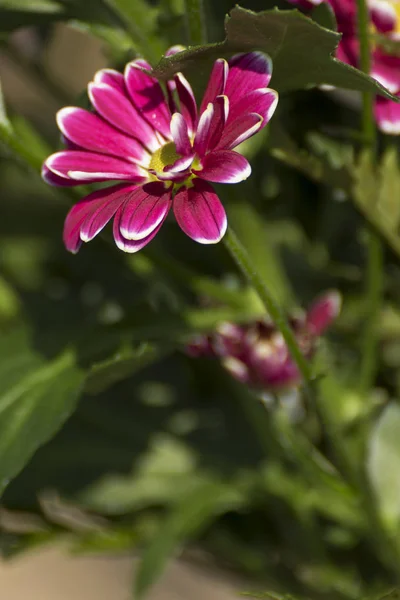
(202, 137)
(383, 15)
(220, 116)
(148, 97)
(216, 83)
(56, 180)
(262, 102)
(88, 166)
(387, 115)
(145, 209)
(92, 133)
(247, 72)
(175, 49)
(188, 107)
(200, 214)
(126, 245)
(117, 109)
(112, 78)
(386, 70)
(240, 130)
(90, 215)
(180, 134)
(224, 166)
(323, 311)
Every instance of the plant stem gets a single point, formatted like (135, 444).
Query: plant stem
(374, 279)
(195, 22)
(243, 260)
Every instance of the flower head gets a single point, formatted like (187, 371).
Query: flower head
(256, 353)
(161, 149)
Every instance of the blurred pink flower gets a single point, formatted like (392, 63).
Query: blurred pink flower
(256, 353)
(162, 149)
(385, 19)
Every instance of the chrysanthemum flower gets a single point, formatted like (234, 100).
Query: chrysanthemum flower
(385, 21)
(256, 353)
(161, 148)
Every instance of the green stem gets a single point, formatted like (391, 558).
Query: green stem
(374, 279)
(195, 22)
(244, 262)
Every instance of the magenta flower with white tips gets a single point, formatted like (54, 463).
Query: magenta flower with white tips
(162, 151)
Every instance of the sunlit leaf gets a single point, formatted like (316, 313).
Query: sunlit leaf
(36, 397)
(120, 366)
(384, 464)
(375, 192)
(40, 6)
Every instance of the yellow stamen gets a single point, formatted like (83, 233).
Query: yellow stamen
(164, 156)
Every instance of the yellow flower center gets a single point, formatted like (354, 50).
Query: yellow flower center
(164, 156)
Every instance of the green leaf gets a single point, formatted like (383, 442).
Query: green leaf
(291, 39)
(388, 204)
(251, 230)
(376, 191)
(41, 6)
(330, 162)
(139, 20)
(123, 364)
(383, 464)
(163, 475)
(197, 509)
(36, 398)
(324, 16)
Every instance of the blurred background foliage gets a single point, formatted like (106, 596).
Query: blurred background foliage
(112, 436)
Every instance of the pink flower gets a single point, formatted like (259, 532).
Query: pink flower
(385, 18)
(161, 149)
(257, 355)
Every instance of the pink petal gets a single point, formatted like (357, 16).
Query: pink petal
(112, 78)
(216, 83)
(182, 164)
(240, 130)
(218, 122)
(306, 4)
(116, 108)
(247, 72)
(387, 115)
(130, 245)
(261, 102)
(174, 50)
(148, 97)
(224, 166)
(202, 137)
(90, 215)
(199, 213)
(56, 180)
(386, 70)
(144, 211)
(91, 132)
(383, 15)
(180, 134)
(188, 107)
(88, 166)
(323, 311)
(178, 171)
